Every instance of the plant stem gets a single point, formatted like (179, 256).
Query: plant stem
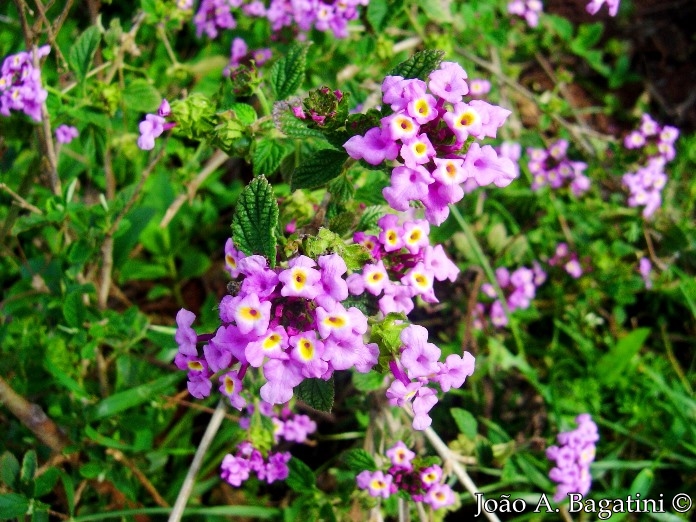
(482, 260)
(461, 474)
(187, 486)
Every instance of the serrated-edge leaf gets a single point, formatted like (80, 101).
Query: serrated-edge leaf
(288, 72)
(323, 166)
(420, 65)
(358, 459)
(244, 112)
(267, 156)
(255, 220)
(140, 96)
(82, 53)
(293, 127)
(317, 393)
(301, 477)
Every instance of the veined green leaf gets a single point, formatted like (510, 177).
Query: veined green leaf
(301, 477)
(420, 65)
(288, 72)
(140, 96)
(268, 155)
(358, 459)
(255, 220)
(324, 165)
(317, 393)
(82, 53)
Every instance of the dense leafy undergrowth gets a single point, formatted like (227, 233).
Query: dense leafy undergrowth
(385, 260)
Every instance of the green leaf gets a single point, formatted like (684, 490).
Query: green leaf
(420, 65)
(301, 477)
(367, 382)
(29, 464)
(466, 422)
(268, 155)
(74, 309)
(588, 36)
(140, 96)
(341, 190)
(133, 397)
(45, 482)
(324, 165)
(9, 469)
(294, 127)
(317, 393)
(13, 505)
(614, 363)
(82, 53)
(69, 488)
(439, 11)
(371, 192)
(255, 220)
(377, 11)
(243, 112)
(359, 460)
(288, 72)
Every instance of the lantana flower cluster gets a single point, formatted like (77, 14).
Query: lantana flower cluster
(426, 134)
(519, 288)
(422, 483)
(289, 322)
(289, 426)
(573, 455)
(566, 259)
(646, 183)
(20, 84)
(527, 9)
(551, 167)
(236, 469)
(406, 265)
(323, 15)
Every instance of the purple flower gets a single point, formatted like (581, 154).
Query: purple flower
(235, 470)
(400, 455)
(449, 82)
(374, 147)
(65, 134)
(454, 371)
(152, 127)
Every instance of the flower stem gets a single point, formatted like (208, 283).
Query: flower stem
(483, 261)
(187, 486)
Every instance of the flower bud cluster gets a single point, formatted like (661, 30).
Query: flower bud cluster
(406, 265)
(527, 9)
(646, 183)
(154, 125)
(572, 456)
(422, 483)
(323, 15)
(568, 260)
(20, 84)
(519, 288)
(289, 322)
(426, 133)
(553, 168)
(236, 469)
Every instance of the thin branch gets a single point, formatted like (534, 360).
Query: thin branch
(51, 34)
(215, 161)
(33, 417)
(120, 457)
(187, 486)
(459, 471)
(20, 200)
